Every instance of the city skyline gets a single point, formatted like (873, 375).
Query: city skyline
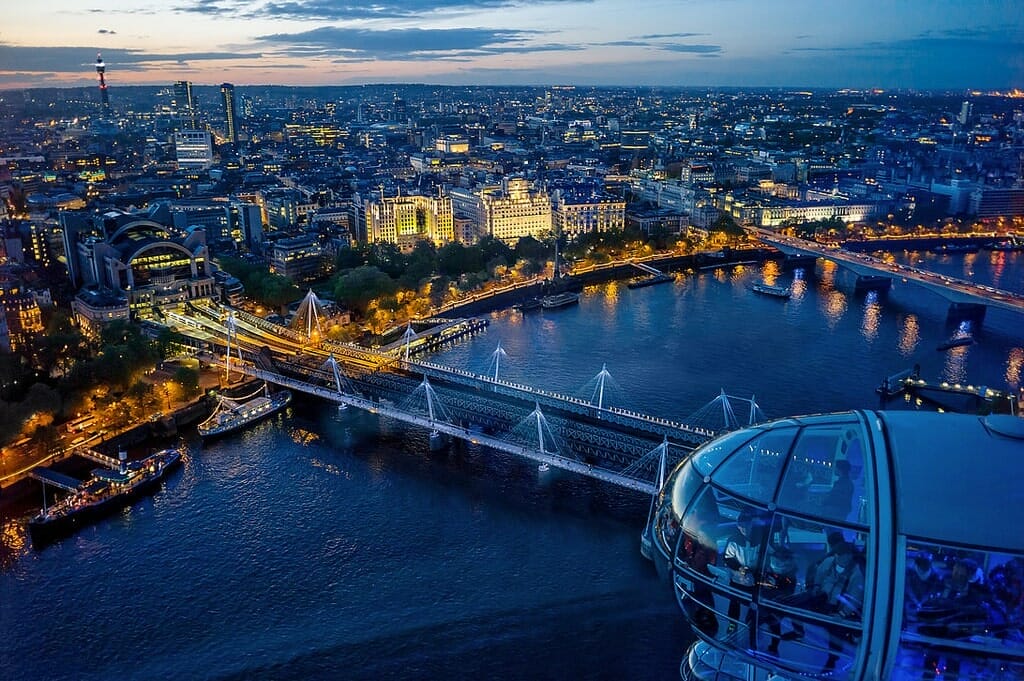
(917, 44)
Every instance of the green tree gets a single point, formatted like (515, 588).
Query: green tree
(454, 259)
(350, 258)
(492, 248)
(188, 379)
(528, 248)
(725, 224)
(420, 265)
(386, 257)
(357, 288)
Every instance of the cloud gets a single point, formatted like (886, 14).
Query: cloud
(411, 44)
(20, 77)
(940, 48)
(694, 49)
(69, 59)
(659, 36)
(656, 41)
(350, 10)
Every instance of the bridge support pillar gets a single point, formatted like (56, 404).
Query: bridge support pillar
(792, 262)
(867, 282)
(966, 312)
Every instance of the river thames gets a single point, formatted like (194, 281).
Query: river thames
(326, 544)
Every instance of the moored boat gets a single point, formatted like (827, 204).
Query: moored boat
(768, 290)
(651, 281)
(559, 300)
(102, 494)
(527, 305)
(232, 415)
(955, 342)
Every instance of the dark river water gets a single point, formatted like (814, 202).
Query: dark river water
(324, 544)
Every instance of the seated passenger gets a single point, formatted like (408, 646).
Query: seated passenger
(966, 583)
(778, 584)
(838, 501)
(963, 607)
(838, 589)
(922, 584)
(840, 580)
(1007, 584)
(741, 556)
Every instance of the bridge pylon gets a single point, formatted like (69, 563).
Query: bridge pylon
(231, 326)
(722, 405)
(341, 382)
(966, 312)
(408, 337)
(496, 356)
(648, 533)
(599, 390)
(308, 316)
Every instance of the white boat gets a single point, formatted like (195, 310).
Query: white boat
(231, 415)
(768, 290)
(559, 300)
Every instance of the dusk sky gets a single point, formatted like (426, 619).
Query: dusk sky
(812, 43)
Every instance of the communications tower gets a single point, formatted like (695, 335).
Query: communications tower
(101, 69)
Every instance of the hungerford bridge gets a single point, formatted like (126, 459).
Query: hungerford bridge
(585, 436)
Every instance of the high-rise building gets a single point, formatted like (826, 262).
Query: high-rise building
(193, 149)
(184, 104)
(966, 109)
(227, 91)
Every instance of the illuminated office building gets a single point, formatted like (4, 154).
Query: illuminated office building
(22, 318)
(405, 220)
(507, 212)
(227, 92)
(193, 149)
(185, 105)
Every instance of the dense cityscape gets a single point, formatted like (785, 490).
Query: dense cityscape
(149, 231)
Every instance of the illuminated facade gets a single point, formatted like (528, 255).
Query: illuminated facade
(22, 319)
(405, 220)
(316, 134)
(768, 213)
(184, 104)
(300, 258)
(856, 546)
(227, 93)
(515, 210)
(452, 144)
(193, 149)
(577, 213)
(147, 266)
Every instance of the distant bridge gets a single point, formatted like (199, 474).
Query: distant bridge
(967, 298)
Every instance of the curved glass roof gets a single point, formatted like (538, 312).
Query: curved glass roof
(814, 466)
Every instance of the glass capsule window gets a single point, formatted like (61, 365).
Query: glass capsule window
(963, 614)
(753, 470)
(707, 458)
(825, 476)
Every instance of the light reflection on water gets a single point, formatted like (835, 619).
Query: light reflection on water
(910, 335)
(872, 316)
(1014, 362)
